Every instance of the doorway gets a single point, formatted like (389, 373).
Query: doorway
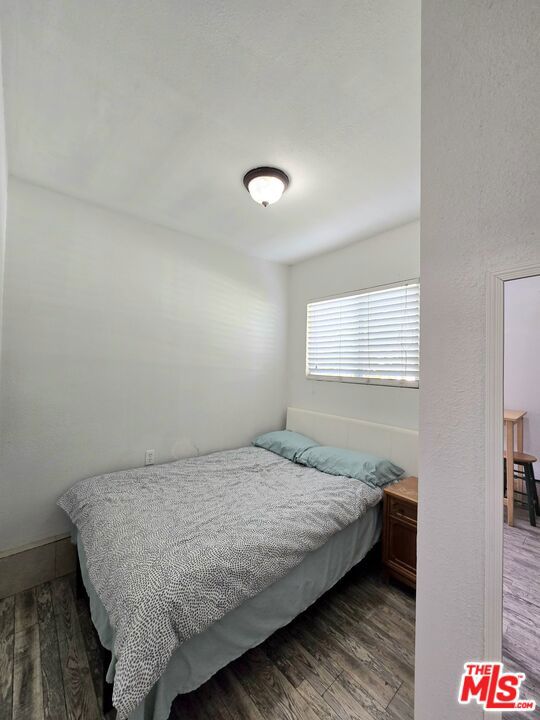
(501, 629)
(521, 536)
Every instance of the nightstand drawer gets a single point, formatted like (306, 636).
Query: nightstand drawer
(401, 509)
(401, 551)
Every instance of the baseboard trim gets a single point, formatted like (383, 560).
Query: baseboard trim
(32, 545)
(37, 563)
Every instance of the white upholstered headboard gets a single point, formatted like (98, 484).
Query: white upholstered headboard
(394, 443)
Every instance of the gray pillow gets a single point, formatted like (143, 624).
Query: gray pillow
(286, 443)
(370, 469)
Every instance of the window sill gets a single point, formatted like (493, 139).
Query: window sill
(365, 381)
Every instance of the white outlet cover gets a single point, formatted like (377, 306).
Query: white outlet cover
(149, 457)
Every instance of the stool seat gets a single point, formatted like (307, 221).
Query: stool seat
(521, 458)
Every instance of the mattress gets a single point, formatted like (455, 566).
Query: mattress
(173, 548)
(249, 624)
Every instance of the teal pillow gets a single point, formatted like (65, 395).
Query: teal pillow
(370, 469)
(286, 443)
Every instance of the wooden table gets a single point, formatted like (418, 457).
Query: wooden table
(512, 419)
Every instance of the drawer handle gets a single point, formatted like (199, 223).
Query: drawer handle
(400, 513)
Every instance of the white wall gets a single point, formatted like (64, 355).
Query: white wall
(3, 201)
(385, 258)
(480, 212)
(522, 356)
(121, 336)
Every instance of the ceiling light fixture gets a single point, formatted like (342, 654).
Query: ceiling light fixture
(266, 184)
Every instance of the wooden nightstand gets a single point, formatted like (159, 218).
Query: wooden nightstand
(399, 530)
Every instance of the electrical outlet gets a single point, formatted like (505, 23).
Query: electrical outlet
(149, 457)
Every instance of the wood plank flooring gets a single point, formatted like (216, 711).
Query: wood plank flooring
(348, 657)
(521, 605)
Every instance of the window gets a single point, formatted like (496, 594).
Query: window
(371, 336)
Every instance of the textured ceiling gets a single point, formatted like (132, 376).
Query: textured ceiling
(158, 108)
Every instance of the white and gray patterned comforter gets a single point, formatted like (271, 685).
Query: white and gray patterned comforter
(172, 548)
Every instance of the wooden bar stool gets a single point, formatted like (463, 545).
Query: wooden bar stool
(525, 461)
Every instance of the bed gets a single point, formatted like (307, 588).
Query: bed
(178, 635)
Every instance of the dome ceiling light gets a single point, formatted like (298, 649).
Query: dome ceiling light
(266, 184)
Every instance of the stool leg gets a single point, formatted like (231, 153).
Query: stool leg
(536, 503)
(531, 493)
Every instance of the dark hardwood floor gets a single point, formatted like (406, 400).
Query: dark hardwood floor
(521, 605)
(348, 657)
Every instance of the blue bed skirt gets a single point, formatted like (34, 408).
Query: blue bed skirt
(200, 657)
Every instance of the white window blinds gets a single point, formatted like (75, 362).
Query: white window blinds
(370, 336)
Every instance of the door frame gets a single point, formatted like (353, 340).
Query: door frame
(494, 515)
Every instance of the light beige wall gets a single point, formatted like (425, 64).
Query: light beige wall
(3, 201)
(522, 354)
(122, 336)
(480, 212)
(384, 258)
